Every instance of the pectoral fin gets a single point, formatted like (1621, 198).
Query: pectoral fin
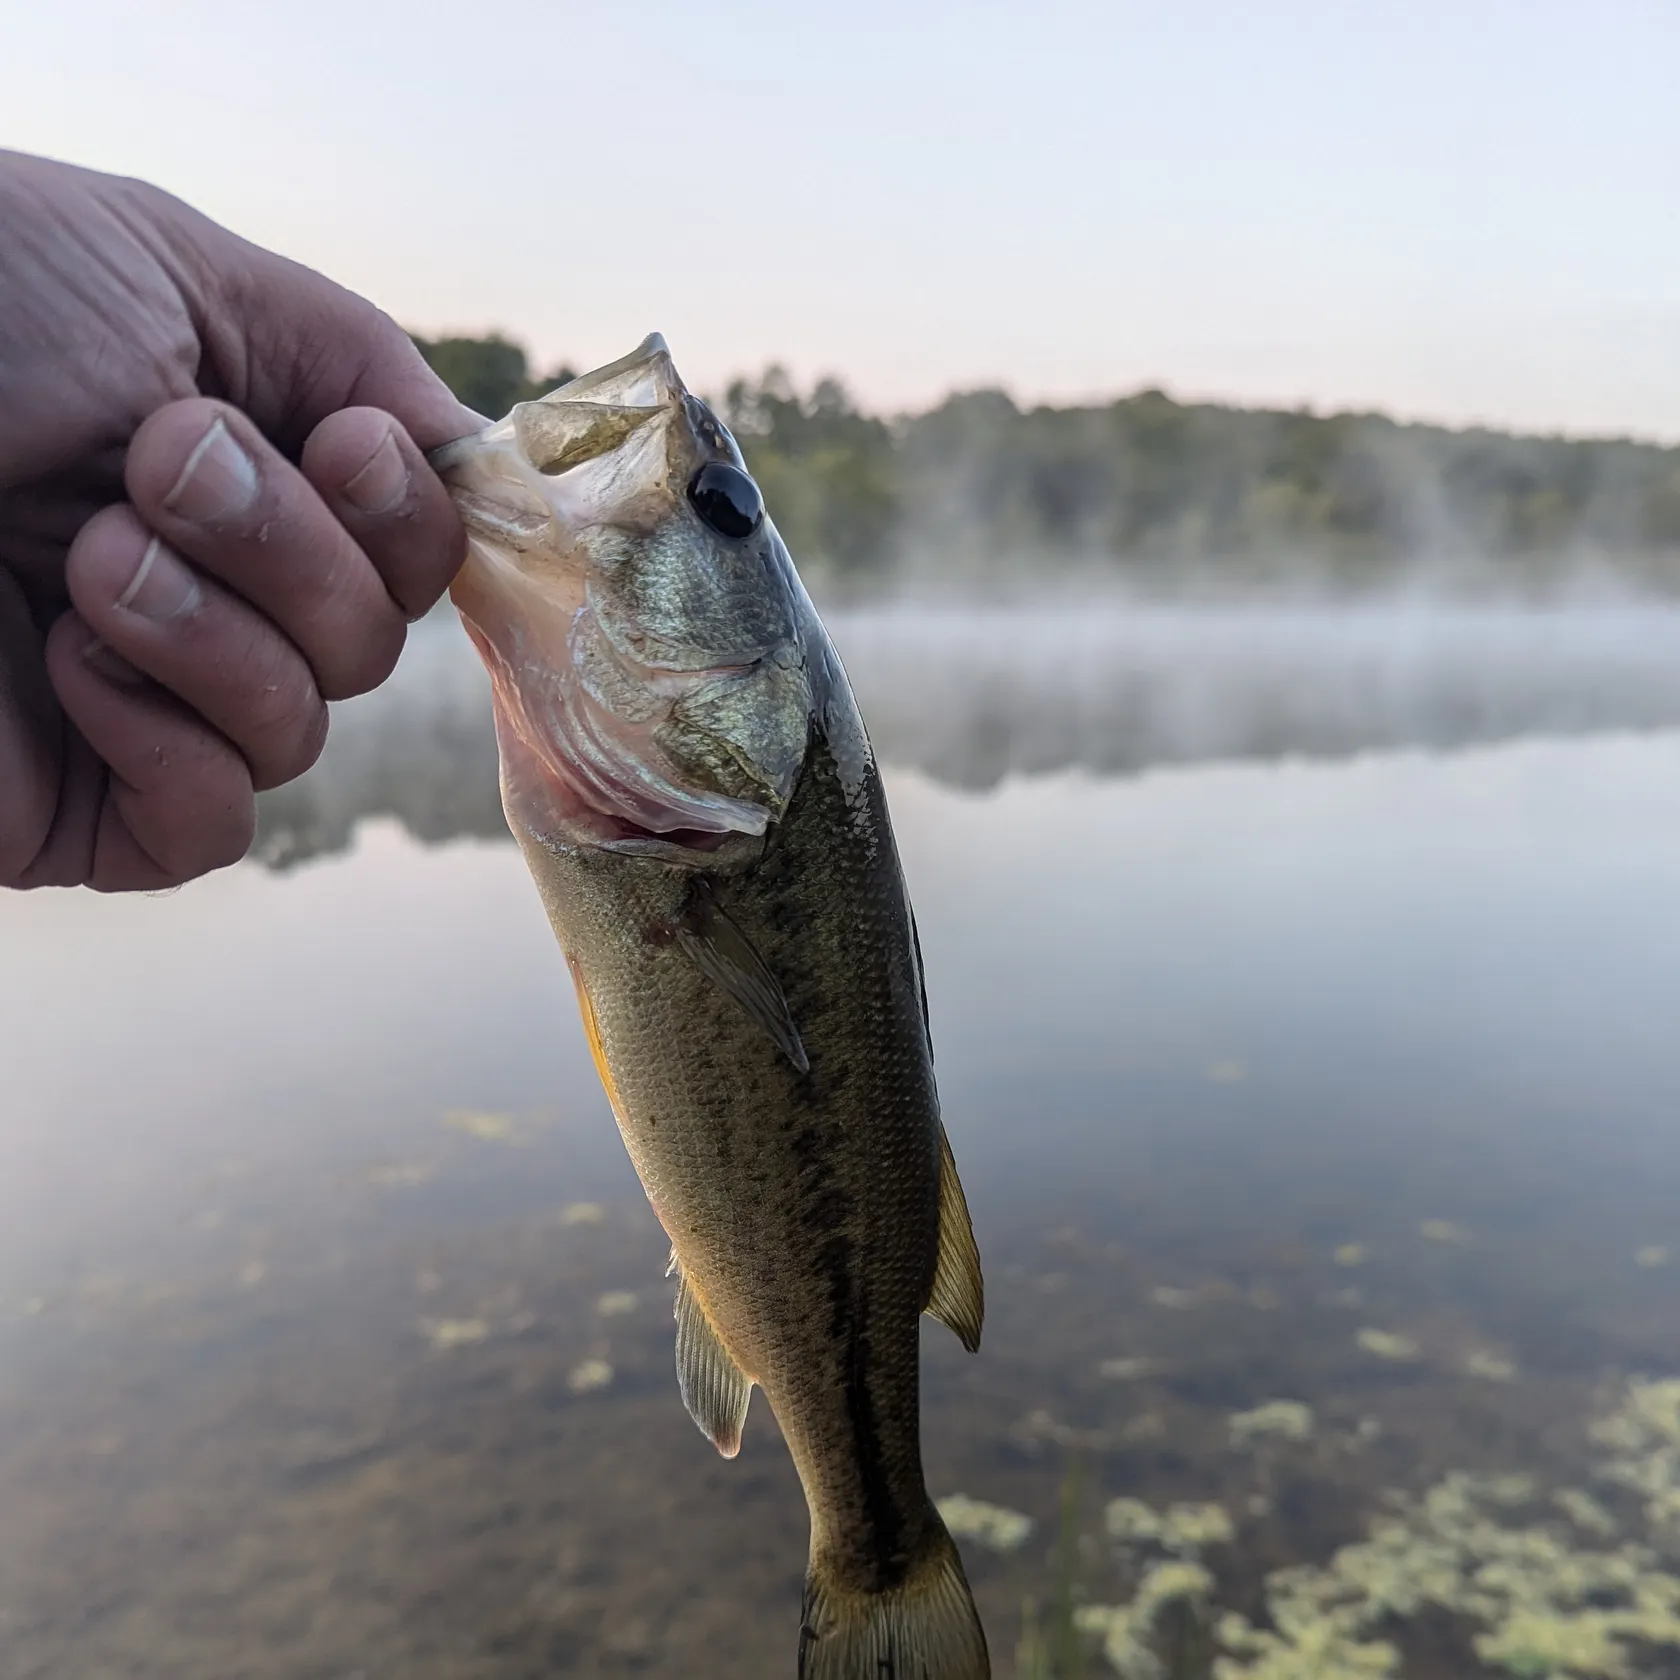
(958, 1298)
(714, 1388)
(728, 958)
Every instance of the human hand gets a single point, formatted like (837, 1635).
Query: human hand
(215, 515)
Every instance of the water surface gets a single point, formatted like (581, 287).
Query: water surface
(1307, 1063)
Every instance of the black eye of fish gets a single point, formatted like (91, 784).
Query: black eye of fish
(726, 499)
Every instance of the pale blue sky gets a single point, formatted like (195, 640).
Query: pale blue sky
(1455, 209)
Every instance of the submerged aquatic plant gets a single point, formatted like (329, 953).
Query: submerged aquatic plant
(1132, 1369)
(590, 1375)
(1051, 1648)
(1185, 1530)
(1444, 1231)
(1283, 1420)
(1547, 1589)
(1490, 1367)
(1129, 1631)
(1310, 1651)
(1386, 1344)
(994, 1526)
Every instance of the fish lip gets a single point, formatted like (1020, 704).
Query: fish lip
(651, 353)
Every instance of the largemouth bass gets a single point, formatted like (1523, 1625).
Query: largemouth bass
(685, 769)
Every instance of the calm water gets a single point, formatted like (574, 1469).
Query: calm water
(1286, 1057)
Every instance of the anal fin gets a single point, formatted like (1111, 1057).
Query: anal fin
(958, 1299)
(729, 959)
(714, 1388)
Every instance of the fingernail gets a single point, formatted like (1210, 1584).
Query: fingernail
(218, 481)
(383, 483)
(111, 665)
(162, 588)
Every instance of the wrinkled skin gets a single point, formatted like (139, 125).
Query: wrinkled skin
(136, 724)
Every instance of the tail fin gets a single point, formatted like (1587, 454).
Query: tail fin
(926, 1629)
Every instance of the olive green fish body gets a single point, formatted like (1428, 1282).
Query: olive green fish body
(803, 1208)
(687, 775)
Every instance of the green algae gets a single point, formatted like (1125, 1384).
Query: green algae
(589, 1376)
(1185, 1529)
(1536, 1576)
(1136, 1368)
(1386, 1344)
(995, 1527)
(1488, 1366)
(1282, 1420)
(1128, 1630)
(1445, 1231)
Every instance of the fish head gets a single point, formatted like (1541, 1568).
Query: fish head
(642, 624)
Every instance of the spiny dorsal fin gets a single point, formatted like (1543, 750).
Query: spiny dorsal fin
(959, 1297)
(714, 1388)
(724, 954)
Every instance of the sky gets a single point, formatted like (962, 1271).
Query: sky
(1458, 210)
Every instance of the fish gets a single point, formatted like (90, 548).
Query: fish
(685, 769)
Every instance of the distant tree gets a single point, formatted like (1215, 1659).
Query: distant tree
(488, 374)
(828, 472)
(978, 490)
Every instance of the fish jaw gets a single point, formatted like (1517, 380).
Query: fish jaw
(573, 770)
(620, 725)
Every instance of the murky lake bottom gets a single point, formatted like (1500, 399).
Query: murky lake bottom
(1319, 1126)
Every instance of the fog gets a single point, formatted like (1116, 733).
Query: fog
(970, 697)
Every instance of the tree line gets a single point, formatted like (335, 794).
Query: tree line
(1153, 494)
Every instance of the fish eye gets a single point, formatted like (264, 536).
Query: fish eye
(726, 499)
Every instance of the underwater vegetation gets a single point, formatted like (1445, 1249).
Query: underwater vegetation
(993, 1526)
(1287, 1420)
(1549, 1584)
(1386, 1344)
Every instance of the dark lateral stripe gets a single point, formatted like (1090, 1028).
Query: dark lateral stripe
(883, 1542)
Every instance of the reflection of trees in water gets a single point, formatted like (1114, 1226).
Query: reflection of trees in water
(972, 697)
(421, 749)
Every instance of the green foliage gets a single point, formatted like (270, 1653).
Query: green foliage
(828, 473)
(1159, 494)
(488, 374)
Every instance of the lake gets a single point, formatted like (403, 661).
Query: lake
(1304, 996)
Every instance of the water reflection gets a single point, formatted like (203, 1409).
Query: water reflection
(972, 697)
(1317, 1120)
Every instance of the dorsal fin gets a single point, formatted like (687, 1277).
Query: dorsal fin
(714, 1388)
(958, 1299)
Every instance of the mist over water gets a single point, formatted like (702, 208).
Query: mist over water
(974, 695)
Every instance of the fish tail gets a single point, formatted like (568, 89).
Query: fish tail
(924, 1629)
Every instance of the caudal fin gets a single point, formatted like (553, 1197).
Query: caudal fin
(926, 1629)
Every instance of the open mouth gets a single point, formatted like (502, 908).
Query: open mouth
(572, 769)
(579, 704)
